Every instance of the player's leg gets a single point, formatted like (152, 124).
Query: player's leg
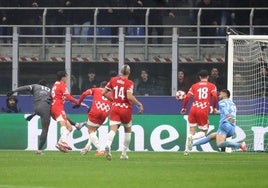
(114, 125)
(65, 130)
(78, 126)
(127, 140)
(189, 139)
(45, 120)
(110, 137)
(226, 130)
(30, 117)
(203, 124)
(205, 140)
(192, 123)
(95, 140)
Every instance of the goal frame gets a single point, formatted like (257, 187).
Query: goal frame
(230, 64)
(230, 55)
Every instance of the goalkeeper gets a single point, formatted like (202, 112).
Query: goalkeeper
(227, 110)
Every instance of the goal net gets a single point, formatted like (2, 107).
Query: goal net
(248, 84)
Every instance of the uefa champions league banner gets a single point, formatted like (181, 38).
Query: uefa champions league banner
(150, 133)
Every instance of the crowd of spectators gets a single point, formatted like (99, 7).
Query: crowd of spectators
(83, 18)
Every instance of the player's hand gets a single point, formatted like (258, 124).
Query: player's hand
(230, 119)
(215, 111)
(140, 109)
(183, 110)
(76, 106)
(9, 93)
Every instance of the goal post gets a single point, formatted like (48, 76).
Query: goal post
(248, 83)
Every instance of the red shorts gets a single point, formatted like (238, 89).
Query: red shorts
(58, 113)
(123, 115)
(198, 116)
(97, 117)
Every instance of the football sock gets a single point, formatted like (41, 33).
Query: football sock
(202, 141)
(28, 118)
(110, 139)
(71, 122)
(43, 139)
(64, 133)
(228, 144)
(198, 135)
(95, 141)
(126, 143)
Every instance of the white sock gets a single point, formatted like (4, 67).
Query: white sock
(64, 133)
(88, 143)
(95, 140)
(198, 135)
(110, 139)
(186, 143)
(126, 143)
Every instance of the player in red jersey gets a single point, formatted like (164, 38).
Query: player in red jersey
(202, 93)
(60, 94)
(121, 110)
(97, 114)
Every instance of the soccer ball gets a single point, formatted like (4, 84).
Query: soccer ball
(180, 95)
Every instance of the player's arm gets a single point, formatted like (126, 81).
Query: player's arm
(83, 95)
(135, 101)
(20, 89)
(107, 94)
(214, 95)
(185, 102)
(226, 113)
(70, 98)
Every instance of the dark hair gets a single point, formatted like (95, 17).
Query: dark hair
(61, 74)
(226, 91)
(103, 84)
(42, 82)
(112, 73)
(91, 71)
(203, 73)
(13, 98)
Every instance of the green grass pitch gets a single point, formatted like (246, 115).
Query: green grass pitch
(24, 169)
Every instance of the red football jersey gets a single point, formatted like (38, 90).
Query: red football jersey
(119, 87)
(202, 92)
(121, 110)
(100, 107)
(60, 93)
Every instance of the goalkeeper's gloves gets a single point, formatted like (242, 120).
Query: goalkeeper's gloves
(9, 93)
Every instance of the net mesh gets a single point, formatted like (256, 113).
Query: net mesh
(250, 90)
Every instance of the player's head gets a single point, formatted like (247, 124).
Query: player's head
(12, 101)
(112, 73)
(203, 74)
(42, 82)
(224, 93)
(125, 70)
(103, 84)
(61, 74)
